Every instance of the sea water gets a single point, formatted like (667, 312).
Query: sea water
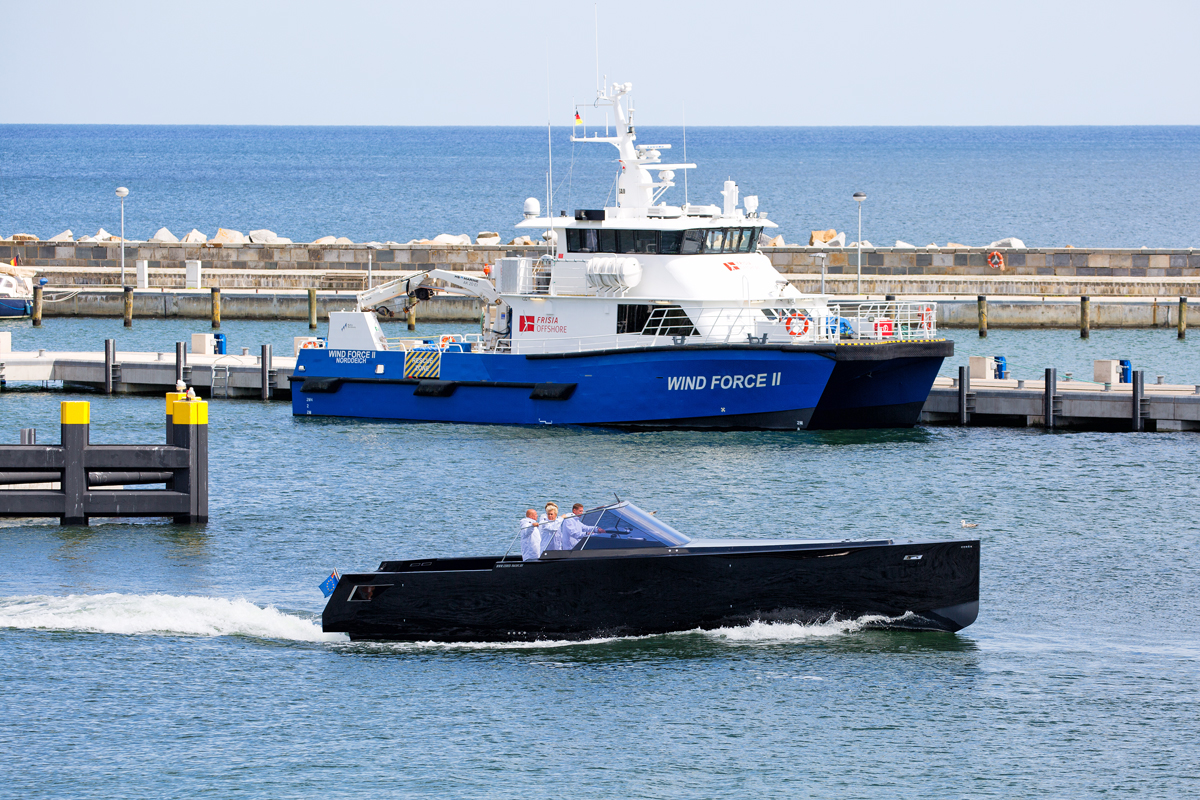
(1050, 186)
(142, 658)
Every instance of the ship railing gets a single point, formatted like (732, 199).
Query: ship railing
(449, 341)
(886, 321)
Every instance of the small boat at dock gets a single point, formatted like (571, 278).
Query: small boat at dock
(636, 575)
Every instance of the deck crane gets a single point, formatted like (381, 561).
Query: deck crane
(416, 288)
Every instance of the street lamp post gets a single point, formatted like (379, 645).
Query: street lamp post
(122, 193)
(860, 196)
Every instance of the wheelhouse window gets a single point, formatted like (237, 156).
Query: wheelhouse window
(365, 594)
(654, 320)
(687, 243)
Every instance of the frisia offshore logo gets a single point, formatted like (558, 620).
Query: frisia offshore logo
(526, 325)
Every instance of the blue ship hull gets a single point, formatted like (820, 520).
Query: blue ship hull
(773, 388)
(786, 387)
(12, 307)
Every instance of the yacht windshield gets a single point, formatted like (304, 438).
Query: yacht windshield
(625, 525)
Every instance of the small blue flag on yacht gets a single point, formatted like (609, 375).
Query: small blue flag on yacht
(330, 583)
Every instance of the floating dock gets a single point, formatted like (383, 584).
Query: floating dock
(122, 372)
(1075, 405)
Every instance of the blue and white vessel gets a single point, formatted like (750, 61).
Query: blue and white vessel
(645, 315)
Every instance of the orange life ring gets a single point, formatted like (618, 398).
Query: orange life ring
(310, 344)
(995, 259)
(797, 318)
(926, 318)
(446, 339)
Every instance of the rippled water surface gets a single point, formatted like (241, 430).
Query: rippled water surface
(141, 658)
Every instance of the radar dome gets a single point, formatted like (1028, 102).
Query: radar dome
(532, 208)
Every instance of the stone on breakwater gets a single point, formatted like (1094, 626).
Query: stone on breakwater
(1010, 242)
(487, 237)
(165, 236)
(265, 236)
(65, 236)
(227, 236)
(23, 237)
(449, 238)
(821, 237)
(195, 237)
(325, 240)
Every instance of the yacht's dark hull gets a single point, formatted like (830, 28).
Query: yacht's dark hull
(581, 596)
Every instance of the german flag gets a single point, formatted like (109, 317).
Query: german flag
(578, 119)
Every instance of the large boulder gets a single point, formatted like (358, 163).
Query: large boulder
(342, 240)
(863, 243)
(487, 237)
(65, 236)
(262, 236)
(776, 241)
(229, 236)
(194, 237)
(957, 246)
(449, 238)
(101, 236)
(325, 240)
(23, 237)
(164, 235)
(520, 241)
(837, 241)
(899, 245)
(821, 237)
(1010, 242)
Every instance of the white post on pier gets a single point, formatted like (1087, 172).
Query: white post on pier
(860, 196)
(122, 193)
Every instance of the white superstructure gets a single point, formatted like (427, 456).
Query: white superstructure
(642, 273)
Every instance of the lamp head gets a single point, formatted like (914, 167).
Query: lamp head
(122, 192)
(860, 196)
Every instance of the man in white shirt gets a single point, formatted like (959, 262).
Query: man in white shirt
(531, 538)
(573, 531)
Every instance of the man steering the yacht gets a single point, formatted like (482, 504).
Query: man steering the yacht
(573, 531)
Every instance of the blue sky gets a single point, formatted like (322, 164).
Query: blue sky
(487, 63)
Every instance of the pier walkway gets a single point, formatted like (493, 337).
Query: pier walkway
(1076, 405)
(214, 376)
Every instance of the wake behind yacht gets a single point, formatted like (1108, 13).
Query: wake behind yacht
(644, 315)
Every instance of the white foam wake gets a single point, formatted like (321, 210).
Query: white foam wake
(160, 614)
(796, 631)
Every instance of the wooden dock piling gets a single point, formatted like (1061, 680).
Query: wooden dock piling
(110, 357)
(1139, 390)
(964, 392)
(1183, 318)
(312, 309)
(266, 372)
(412, 318)
(127, 306)
(983, 316)
(1085, 317)
(37, 306)
(180, 360)
(216, 307)
(1048, 401)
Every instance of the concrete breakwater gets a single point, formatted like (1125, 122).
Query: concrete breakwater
(1027, 271)
(959, 311)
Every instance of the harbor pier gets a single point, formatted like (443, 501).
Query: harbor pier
(76, 479)
(1069, 404)
(110, 371)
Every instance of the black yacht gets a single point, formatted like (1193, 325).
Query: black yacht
(641, 576)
